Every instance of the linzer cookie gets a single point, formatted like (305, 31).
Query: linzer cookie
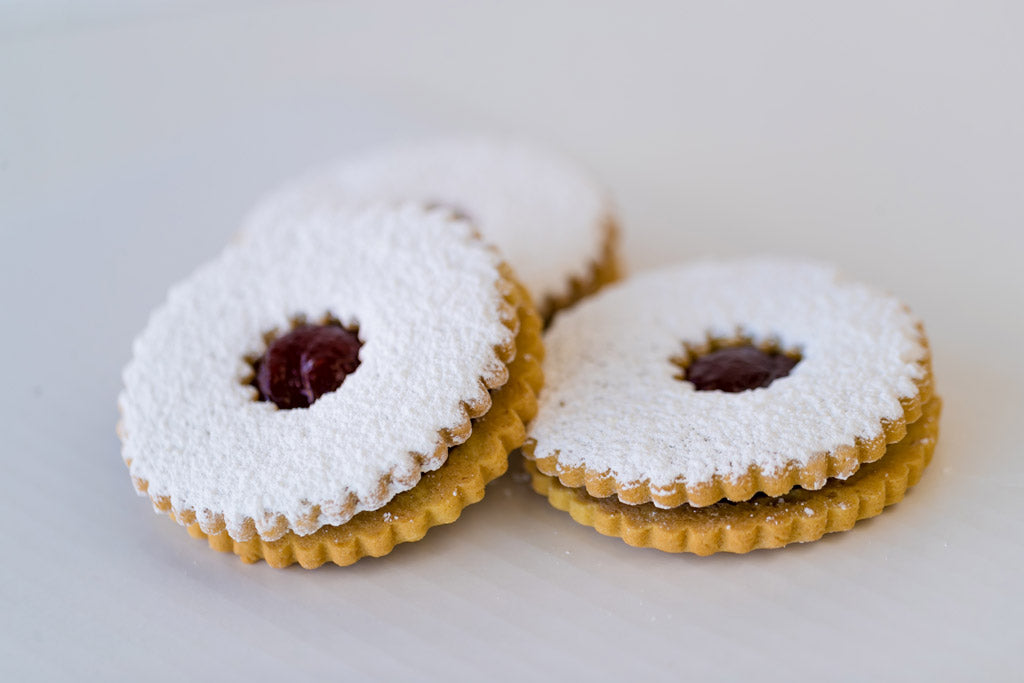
(728, 406)
(325, 393)
(555, 224)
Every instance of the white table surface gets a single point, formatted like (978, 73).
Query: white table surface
(886, 137)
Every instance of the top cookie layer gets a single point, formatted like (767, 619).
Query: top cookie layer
(613, 415)
(437, 331)
(548, 217)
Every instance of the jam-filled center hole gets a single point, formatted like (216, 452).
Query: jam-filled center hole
(310, 360)
(735, 365)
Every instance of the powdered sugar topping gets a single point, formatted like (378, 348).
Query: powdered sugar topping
(611, 402)
(546, 215)
(427, 296)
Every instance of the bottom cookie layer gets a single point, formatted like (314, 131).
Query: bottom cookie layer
(440, 496)
(761, 522)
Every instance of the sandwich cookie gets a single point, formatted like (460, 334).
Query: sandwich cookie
(732, 406)
(327, 392)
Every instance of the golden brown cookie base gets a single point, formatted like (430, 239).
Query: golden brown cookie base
(763, 522)
(606, 270)
(842, 462)
(440, 496)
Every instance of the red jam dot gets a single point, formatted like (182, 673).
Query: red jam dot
(737, 369)
(306, 363)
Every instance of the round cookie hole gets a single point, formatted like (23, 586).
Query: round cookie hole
(735, 364)
(303, 364)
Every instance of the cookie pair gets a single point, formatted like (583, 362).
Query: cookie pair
(730, 406)
(358, 364)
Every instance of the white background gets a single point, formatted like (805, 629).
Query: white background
(885, 136)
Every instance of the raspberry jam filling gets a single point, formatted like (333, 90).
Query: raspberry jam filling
(308, 362)
(738, 368)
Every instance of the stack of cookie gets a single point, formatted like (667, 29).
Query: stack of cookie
(732, 406)
(360, 362)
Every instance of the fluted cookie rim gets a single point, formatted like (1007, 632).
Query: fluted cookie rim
(754, 525)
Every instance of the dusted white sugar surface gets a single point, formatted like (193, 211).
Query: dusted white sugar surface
(546, 215)
(424, 293)
(610, 401)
